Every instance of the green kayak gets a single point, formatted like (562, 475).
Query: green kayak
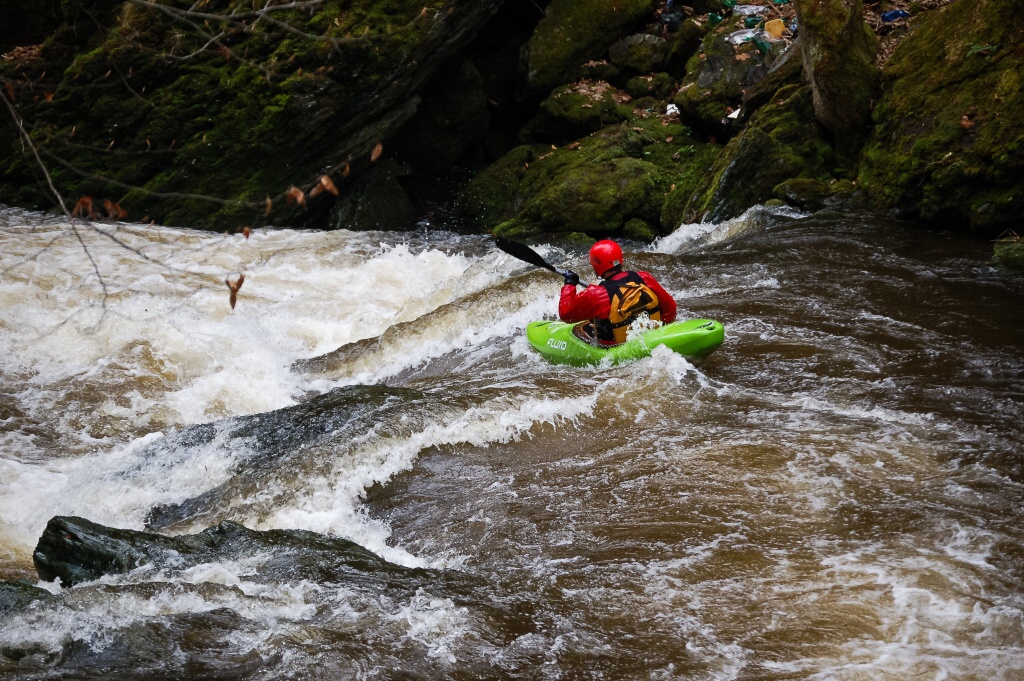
(563, 343)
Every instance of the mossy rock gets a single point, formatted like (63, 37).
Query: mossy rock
(948, 145)
(780, 144)
(658, 86)
(204, 141)
(1009, 252)
(577, 110)
(573, 33)
(806, 193)
(717, 77)
(638, 173)
(683, 45)
(639, 53)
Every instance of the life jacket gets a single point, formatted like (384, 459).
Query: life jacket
(629, 297)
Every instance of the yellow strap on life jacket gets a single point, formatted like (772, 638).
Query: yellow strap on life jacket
(630, 297)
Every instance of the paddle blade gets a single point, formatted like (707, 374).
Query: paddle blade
(523, 252)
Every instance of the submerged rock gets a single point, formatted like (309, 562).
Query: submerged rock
(76, 550)
(267, 447)
(15, 596)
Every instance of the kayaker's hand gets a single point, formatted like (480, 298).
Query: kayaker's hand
(571, 278)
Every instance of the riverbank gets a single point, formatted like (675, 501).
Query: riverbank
(610, 118)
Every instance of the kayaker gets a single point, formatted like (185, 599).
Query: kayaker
(617, 300)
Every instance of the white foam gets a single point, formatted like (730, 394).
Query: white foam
(689, 236)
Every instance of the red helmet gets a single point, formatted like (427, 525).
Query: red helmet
(605, 255)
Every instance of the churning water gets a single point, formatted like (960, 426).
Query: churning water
(836, 493)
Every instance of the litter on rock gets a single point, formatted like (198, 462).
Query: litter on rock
(775, 28)
(748, 10)
(739, 37)
(894, 15)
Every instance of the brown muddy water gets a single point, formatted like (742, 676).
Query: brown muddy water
(836, 493)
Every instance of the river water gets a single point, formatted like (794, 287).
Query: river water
(836, 493)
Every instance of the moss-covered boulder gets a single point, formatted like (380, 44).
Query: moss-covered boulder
(779, 145)
(577, 110)
(948, 146)
(573, 33)
(639, 53)
(839, 50)
(683, 43)
(718, 76)
(633, 179)
(1009, 251)
(198, 119)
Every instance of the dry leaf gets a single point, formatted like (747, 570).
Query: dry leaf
(233, 286)
(114, 210)
(377, 151)
(295, 196)
(83, 208)
(328, 184)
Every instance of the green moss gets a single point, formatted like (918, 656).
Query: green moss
(572, 33)
(147, 109)
(779, 144)
(634, 174)
(1009, 252)
(950, 126)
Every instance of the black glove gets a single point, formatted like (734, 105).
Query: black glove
(571, 277)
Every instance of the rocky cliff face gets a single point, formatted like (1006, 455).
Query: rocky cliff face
(199, 116)
(948, 141)
(610, 117)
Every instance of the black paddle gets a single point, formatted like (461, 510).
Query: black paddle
(527, 254)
